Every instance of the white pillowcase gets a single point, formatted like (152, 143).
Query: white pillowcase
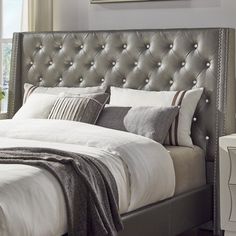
(31, 89)
(179, 133)
(37, 106)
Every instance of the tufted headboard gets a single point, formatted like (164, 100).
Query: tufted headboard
(167, 59)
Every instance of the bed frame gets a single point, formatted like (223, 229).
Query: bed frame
(166, 59)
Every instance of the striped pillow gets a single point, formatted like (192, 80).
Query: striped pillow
(79, 108)
(173, 137)
(31, 89)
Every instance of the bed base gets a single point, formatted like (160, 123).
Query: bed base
(210, 63)
(172, 216)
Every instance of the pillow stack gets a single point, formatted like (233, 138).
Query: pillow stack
(62, 103)
(164, 116)
(180, 129)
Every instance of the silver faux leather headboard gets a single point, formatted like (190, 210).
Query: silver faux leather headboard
(168, 59)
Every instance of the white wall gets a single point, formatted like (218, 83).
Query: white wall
(81, 15)
(70, 14)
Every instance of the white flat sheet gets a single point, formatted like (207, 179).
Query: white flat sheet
(31, 200)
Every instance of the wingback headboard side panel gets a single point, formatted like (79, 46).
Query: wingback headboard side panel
(166, 59)
(15, 83)
(230, 84)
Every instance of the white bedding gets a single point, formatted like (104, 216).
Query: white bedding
(31, 200)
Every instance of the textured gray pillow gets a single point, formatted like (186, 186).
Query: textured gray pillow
(151, 122)
(79, 108)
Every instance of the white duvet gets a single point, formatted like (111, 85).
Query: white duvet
(31, 200)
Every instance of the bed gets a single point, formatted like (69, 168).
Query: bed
(155, 60)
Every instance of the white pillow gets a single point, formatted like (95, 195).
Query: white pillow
(179, 133)
(30, 89)
(37, 106)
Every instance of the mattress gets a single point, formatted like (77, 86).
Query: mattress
(29, 194)
(31, 201)
(189, 165)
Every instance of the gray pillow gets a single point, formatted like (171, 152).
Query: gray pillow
(79, 108)
(151, 122)
(113, 117)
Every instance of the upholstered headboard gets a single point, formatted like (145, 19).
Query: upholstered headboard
(168, 59)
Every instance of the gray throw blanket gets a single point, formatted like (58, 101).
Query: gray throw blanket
(90, 189)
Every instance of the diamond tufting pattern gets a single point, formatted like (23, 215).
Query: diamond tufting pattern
(136, 56)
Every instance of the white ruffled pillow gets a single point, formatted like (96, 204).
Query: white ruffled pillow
(180, 131)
